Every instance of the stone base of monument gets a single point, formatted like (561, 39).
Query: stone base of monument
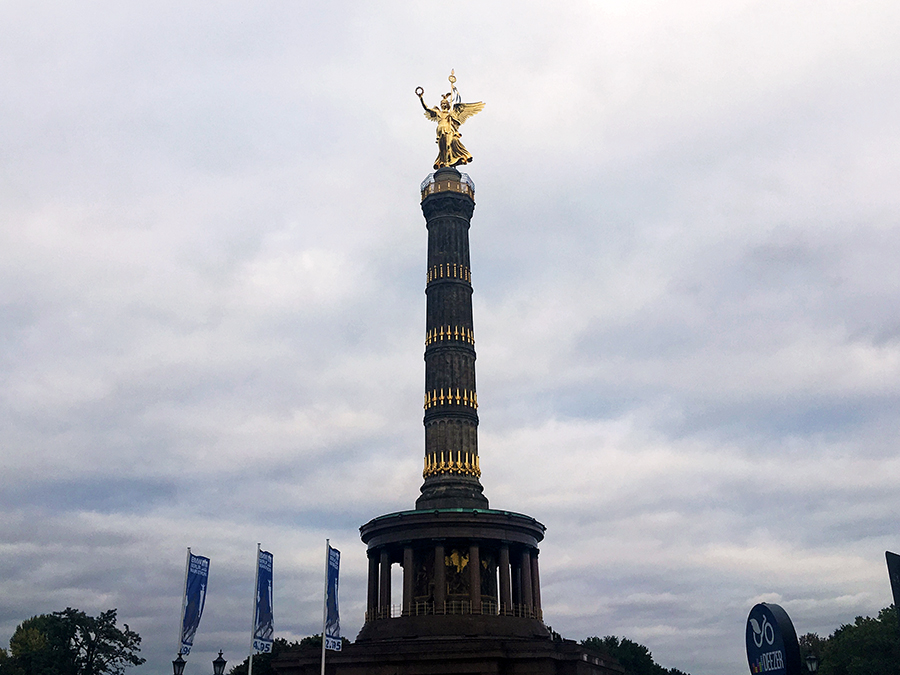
(456, 655)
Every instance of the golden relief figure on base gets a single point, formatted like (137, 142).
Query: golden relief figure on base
(449, 116)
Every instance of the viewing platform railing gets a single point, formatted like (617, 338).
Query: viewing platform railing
(465, 185)
(457, 607)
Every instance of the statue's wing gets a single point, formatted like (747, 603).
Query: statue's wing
(464, 111)
(431, 114)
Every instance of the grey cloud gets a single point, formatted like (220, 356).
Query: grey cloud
(212, 311)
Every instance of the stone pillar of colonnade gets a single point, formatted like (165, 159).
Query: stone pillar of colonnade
(505, 579)
(527, 588)
(409, 577)
(384, 600)
(372, 596)
(475, 578)
(536, 583)
(440, 579)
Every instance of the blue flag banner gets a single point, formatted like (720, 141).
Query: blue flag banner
(194, 599)
(264, 624)
(332, 620)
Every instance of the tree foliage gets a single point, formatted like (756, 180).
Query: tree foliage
(866, 647)
(262, 663)
(71, 642)
(635, 658)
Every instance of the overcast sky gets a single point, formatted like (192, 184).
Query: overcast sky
(687, 304)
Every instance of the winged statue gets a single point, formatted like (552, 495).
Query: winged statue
(449, 117)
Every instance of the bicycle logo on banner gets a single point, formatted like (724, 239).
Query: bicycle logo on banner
(764, 632)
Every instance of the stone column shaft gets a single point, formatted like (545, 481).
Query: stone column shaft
(475, 578)
(409, 576)
(384, 603)
(451, 402)
(517, 582)
(527, 588)
(440, 579)
(536, 582)
(372, 599)
(505, 589)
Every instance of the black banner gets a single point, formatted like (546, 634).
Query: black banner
(893, 563)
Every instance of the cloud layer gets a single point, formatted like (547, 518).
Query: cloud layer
(686, 304)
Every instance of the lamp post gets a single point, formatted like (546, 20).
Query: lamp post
(812, 662)
(178, 665)
(219, 664)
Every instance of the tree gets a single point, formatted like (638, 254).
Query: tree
(811, 643)
(635, 658)
(262, 663)
(866, 647)
(71, 643)
(36, 647)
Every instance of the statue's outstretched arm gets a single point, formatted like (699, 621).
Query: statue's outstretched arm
(430, 113)
(420, 92)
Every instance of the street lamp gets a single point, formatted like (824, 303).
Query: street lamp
(812, 662)
(219, 664)
(178, 665)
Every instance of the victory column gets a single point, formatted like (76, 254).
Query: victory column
(470, 600)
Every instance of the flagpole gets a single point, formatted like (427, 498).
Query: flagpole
(187, 566)
(253, 611)
(325, 603)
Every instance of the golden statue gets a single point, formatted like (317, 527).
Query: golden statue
(449, 117)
